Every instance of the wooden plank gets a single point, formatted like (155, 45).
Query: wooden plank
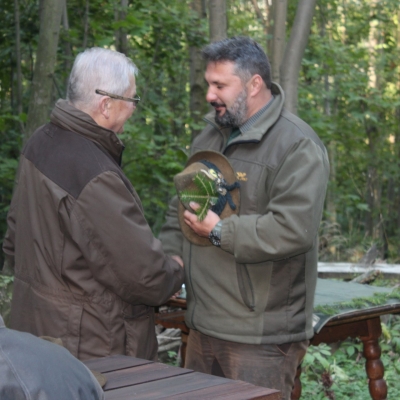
(233, 390)
(142, 374)
(359, 315)
(349, 270)
(332, 334)
(165, 387)
(113, 363)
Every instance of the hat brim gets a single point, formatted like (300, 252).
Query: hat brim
(228, 173)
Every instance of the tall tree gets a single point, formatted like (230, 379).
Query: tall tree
(120, 34)
(279, 12)
(266, 22)
(196, 77)
(396, 202)
(86, 24)
(218, 19)
(291, 63)
(66, 42)
(18, 56)
(42, 84)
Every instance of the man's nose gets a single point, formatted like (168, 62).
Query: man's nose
(210, 96)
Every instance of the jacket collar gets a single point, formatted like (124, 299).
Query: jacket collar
(262, 124)
(66, 116)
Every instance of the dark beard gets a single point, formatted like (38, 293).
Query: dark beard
(235, 116)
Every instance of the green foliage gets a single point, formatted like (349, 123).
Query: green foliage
(150, 162)
(340, 374)
(205, 195)
(349, 93)
(9, 154)
(6, 287)
(172, 358)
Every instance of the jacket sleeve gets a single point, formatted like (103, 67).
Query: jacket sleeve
(292, 216)
(171, 235)
(118, 245)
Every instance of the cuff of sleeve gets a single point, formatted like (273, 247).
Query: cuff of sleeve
(227, 234)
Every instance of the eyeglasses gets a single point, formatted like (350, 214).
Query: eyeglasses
(115, 96)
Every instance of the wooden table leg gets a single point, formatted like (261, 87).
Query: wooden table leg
(374, 365)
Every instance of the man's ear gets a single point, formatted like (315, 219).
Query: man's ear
(105, 107)
(256, 84)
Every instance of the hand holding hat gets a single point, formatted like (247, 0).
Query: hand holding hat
(200, 227)
(208, 180)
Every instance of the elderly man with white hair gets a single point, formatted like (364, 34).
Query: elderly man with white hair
(87, 267)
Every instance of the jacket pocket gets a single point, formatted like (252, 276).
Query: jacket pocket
(140, 339)
(245, 286)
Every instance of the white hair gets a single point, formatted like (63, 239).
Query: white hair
(99, 68)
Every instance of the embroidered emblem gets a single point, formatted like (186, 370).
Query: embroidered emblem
(241, 176)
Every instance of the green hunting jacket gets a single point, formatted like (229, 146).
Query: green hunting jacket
(259, 286)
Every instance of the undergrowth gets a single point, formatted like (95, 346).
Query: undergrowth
(340, 374)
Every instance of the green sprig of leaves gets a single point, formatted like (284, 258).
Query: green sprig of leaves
(205, 195)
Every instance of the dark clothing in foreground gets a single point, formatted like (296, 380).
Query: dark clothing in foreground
(88, 269)
(34, 369)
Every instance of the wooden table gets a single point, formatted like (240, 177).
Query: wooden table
(135, 378)
(363, 324)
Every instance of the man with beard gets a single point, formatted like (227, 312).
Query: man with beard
(250, 292)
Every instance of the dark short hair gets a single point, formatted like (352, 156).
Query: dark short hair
(247, 55)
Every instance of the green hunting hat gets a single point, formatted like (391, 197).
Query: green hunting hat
(209, 180)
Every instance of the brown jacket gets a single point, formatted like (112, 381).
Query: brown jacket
(87, 266)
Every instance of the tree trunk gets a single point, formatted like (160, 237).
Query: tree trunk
(120, 35)
(42, 84)
(279, 12)
(67, 45)
(264, 21)
(331, 147)
(397, 202)
(218, 20)
(86, 25)
(198, 105)
(373, 221)
(291, 63)
(18, 57)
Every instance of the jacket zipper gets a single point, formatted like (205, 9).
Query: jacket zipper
(191, 285)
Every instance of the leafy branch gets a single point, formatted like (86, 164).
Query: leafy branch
(205, 194)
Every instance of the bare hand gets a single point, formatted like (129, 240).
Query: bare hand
(174, 296)
(204, 227)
